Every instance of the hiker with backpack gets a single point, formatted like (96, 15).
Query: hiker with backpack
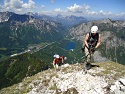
(58, 60)
(92, 41)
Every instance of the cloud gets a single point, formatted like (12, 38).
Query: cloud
(121, 14)
(86, 11)
(75, 8)
(86, 7)
(58, 10)
(93, 13)
(110, 13)
(13, 4)
(102, 13)
(42, 6)
(29, 5)
(18, 5)
(79, 9)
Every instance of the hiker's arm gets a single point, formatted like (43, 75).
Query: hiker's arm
(99, 41)
(85, 40)
(62, 60)
(54, 61)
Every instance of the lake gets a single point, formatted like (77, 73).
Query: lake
(70, 45)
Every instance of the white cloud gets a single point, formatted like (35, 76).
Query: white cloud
(121, 14)
(85, 10)
(13, 5)
(86, 7)
(42, 6)
(102, 13)
(6, 4)
(93, 13)
(58, 10)
(76, 8)
(18, 5)
(29, 5)
(110, 13)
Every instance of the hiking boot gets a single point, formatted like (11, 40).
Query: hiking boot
(88, 66)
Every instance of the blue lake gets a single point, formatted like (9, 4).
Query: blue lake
(70, 45)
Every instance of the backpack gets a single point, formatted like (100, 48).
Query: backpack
(57, 60)
(92, 40)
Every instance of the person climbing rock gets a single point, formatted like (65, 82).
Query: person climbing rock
(56, 62)
(92, 41)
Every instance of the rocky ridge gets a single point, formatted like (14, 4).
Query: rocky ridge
(103, 78)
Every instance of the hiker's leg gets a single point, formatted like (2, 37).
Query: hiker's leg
(54, 65)
(57, 67)
(87, 54)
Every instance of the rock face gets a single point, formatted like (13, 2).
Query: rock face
(83, 84)
(100, 79)
(119, 86)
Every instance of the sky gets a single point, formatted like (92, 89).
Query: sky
(85, 8)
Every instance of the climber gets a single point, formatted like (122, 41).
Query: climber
(56, 62)
(62, 59)
(92, 41)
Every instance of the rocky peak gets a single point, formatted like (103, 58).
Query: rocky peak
(30, 13)
(10, 16)
(106, 20)
(103, 78)
(4, 16)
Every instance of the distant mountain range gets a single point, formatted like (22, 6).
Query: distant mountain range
(67, 21)
(18, 31)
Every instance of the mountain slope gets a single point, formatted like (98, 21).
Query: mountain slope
(70, 79)
(59, 47)
(14, 69)
(19, 31)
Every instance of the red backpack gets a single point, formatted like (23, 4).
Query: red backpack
(57, 60)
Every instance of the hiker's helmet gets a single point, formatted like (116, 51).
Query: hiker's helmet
(57, 56)
(94, 29)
